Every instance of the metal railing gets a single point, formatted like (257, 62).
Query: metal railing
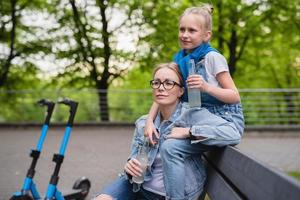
(271, 107)
(262, 107)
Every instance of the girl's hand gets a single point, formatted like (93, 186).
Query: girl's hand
(197, 81)
(179, 133)
(133, 167)
(149, 130)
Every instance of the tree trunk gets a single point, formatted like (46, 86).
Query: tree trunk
(103, 103)
(232, 52)
(290, 107)
(220, 27)
(6, 65)
(101, 79)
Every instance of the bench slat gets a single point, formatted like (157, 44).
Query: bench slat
(254, 179)
(217, 187)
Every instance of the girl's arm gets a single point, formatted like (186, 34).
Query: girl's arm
(149, 126)
(227, 93)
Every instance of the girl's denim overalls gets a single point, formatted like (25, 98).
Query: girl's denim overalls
(230, 112)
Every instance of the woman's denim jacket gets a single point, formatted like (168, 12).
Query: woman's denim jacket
(184, 116)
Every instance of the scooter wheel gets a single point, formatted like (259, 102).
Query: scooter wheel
(21, 197)
(83, 184)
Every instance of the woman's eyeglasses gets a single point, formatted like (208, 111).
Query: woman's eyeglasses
(167, 84)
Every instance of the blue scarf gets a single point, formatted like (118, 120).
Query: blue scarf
(182, 59)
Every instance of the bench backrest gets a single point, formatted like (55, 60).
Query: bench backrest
(235, 175)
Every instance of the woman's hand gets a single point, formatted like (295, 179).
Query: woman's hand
(149, 130)
(179, 133)
(133, 167)
(197, 81)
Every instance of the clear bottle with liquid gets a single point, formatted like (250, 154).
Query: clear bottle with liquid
(142, 157)
(194, 95)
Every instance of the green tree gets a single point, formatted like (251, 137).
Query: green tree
(16, 42)
(17, 48)
(8, 23)
(258, 38)
(91, 43)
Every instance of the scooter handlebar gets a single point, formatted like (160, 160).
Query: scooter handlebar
(73, 108)
(50, 107)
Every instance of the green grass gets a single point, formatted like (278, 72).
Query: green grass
(295, 174)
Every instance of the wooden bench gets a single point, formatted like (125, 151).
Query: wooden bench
(233, 175)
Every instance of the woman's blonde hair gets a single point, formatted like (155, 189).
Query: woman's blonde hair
(172, 66)
(205, 11)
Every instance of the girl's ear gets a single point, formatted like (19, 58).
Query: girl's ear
(207, 36)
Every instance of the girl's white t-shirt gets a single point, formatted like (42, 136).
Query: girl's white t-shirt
(214, 63)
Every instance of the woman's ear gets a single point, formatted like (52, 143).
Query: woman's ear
(181, 91)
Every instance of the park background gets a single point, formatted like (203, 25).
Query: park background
(102, 53)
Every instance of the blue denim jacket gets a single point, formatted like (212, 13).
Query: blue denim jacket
(195, 172)
(217, 130)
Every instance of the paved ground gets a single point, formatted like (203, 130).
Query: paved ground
(100, 153)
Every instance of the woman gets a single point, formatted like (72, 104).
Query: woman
(167, 86)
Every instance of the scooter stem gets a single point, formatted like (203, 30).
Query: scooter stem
(50, 107)
(73, 107)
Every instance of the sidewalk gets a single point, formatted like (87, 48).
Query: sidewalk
(274, 149)
(100, 154)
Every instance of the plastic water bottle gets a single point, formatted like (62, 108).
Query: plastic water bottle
(194, 95)
(142, 157)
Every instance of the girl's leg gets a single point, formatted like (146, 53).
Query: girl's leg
(214, 129)
(173, 153)
(231, 113)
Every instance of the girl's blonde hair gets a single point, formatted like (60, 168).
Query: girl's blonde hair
(205, 11)
(172, 66)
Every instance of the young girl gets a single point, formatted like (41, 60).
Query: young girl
(219, 95)
(218, 91)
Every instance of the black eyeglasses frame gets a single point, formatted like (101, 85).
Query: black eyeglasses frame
(163, 83)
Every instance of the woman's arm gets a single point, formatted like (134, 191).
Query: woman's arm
(149, 126)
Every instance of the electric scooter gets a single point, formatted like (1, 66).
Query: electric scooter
(81, 186)
(29, 191)
(29, 186)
